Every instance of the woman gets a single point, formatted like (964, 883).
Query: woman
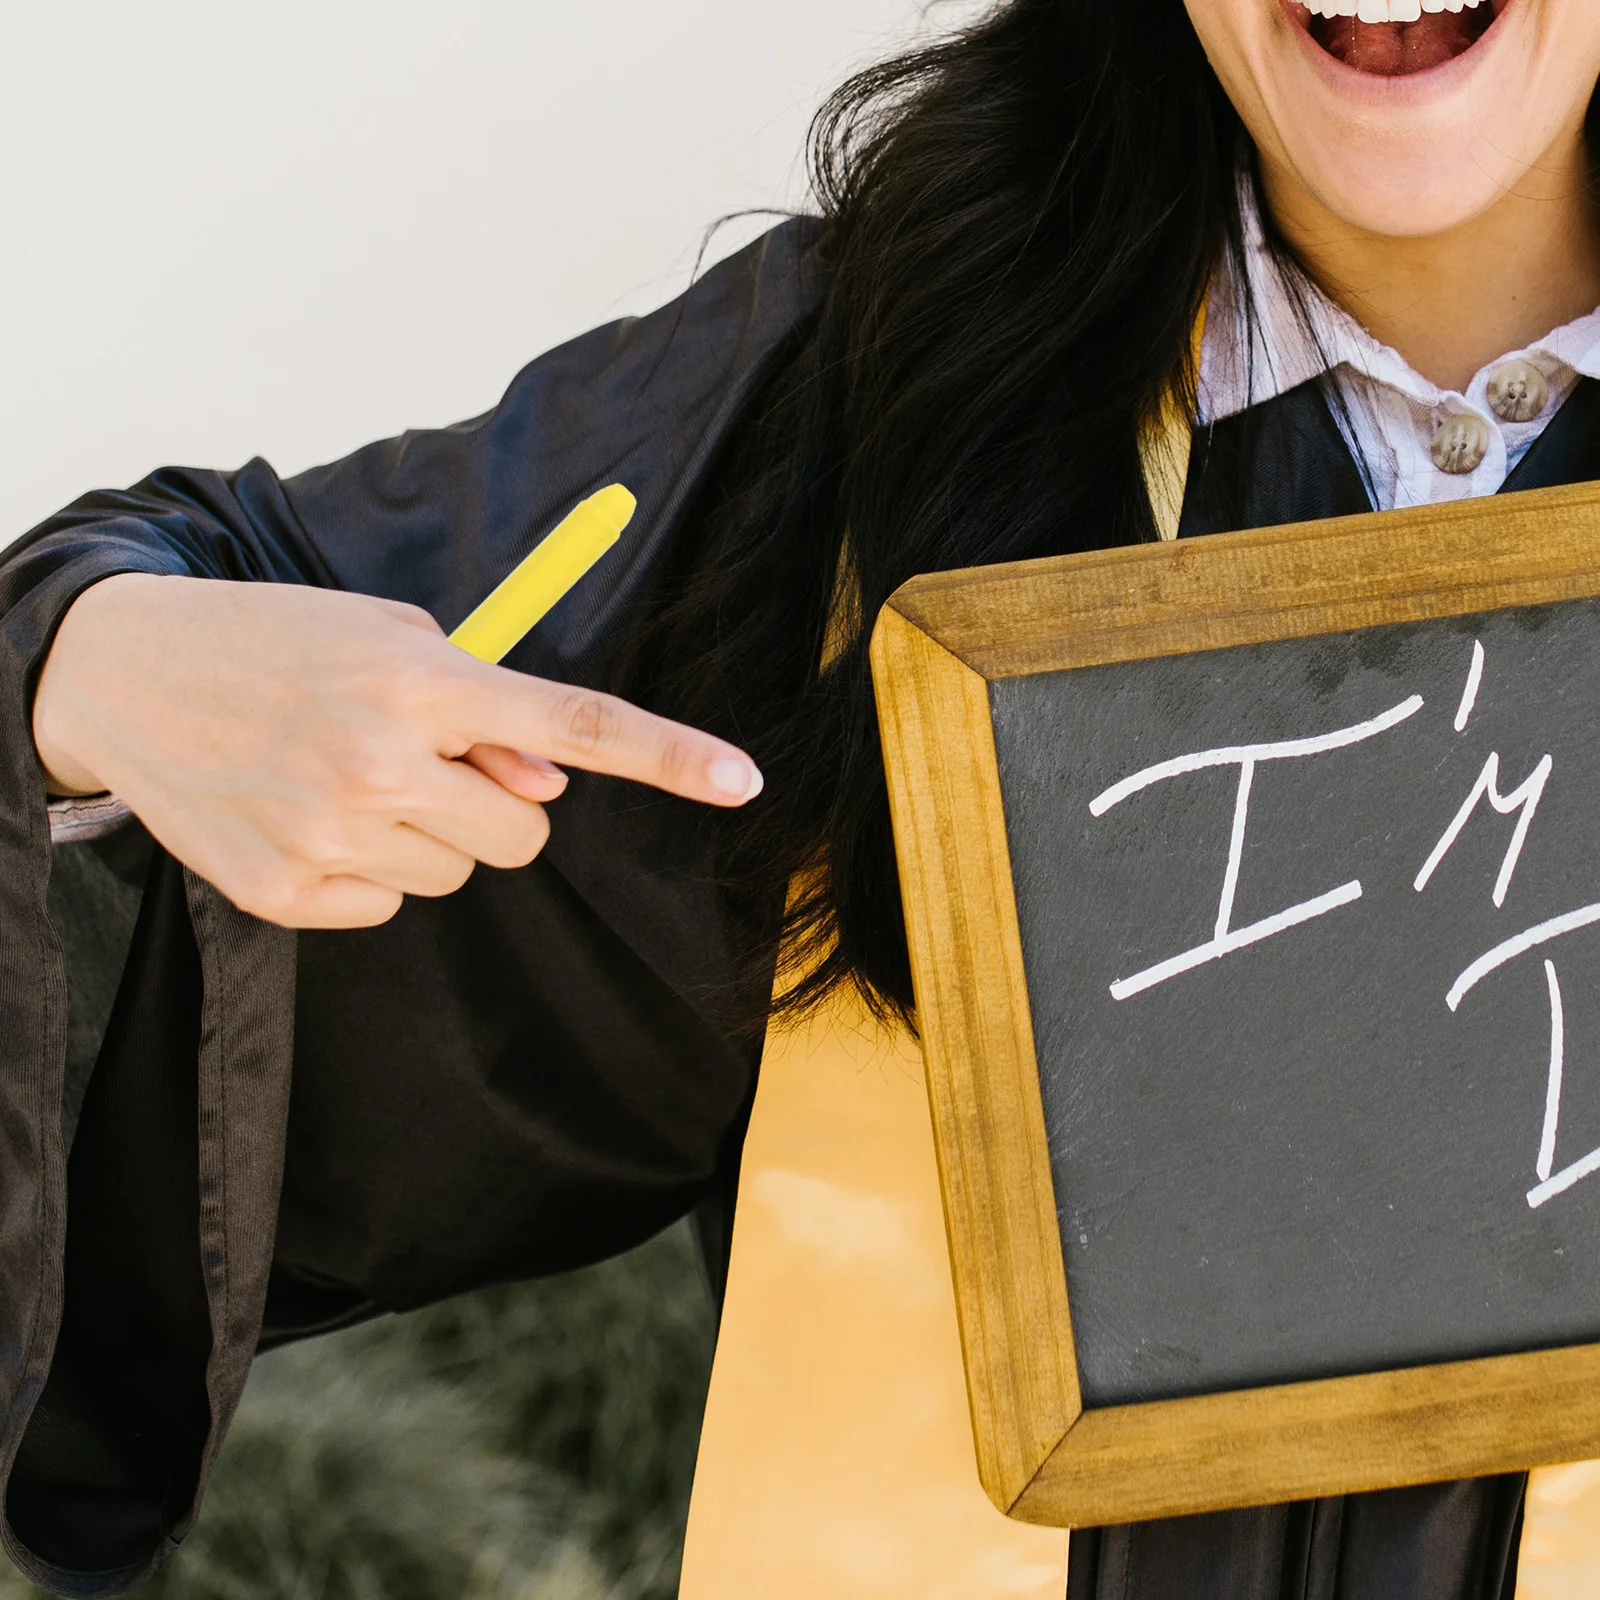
(507, 1072)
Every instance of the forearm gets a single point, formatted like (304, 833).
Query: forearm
(176, 523)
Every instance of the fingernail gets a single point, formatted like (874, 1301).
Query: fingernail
(736, 780)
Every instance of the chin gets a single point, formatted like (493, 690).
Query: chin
(1401, 192)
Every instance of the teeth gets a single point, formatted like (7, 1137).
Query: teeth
(1386, 10)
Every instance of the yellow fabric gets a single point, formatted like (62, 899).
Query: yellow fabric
(837, 1460)
(1166, 446)
(1561, 1535)
(557, 563)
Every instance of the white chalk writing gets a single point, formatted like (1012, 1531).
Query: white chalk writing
(1227, 939)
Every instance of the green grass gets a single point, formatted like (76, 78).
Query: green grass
(530, 1443)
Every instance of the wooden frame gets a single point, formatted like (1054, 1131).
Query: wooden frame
(938, 644)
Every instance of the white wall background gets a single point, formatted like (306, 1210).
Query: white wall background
(287, 227)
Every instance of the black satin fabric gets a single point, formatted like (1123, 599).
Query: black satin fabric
(1454, 1541)
(284, 1134)
(1287, 461)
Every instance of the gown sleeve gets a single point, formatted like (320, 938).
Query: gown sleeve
(151, 1033)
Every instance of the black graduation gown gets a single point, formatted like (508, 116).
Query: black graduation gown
(517, 1080)
(282, 1133)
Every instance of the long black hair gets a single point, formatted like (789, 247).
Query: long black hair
(1018, 225)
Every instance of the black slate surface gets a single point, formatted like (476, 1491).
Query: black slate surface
(1295, 1160)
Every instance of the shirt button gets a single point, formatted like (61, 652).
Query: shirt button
(1461, 444)
(1518, 391)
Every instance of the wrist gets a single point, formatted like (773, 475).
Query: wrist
(65, 776)
(64, 693)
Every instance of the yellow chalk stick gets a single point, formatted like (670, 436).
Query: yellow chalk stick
(559, 561)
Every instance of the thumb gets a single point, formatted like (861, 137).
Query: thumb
(527, 777)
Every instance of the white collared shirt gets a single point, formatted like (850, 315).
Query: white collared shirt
(1390, 413)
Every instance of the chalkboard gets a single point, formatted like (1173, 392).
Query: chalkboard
(1254, 894)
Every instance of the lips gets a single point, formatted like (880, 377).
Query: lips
(1416, 36)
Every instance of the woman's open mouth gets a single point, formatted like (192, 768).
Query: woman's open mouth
(1393, 38)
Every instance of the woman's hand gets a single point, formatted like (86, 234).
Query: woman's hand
(318, 756)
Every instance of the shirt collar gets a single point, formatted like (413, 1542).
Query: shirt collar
(1298, 334)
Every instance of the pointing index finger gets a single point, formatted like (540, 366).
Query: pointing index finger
(597, 732)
